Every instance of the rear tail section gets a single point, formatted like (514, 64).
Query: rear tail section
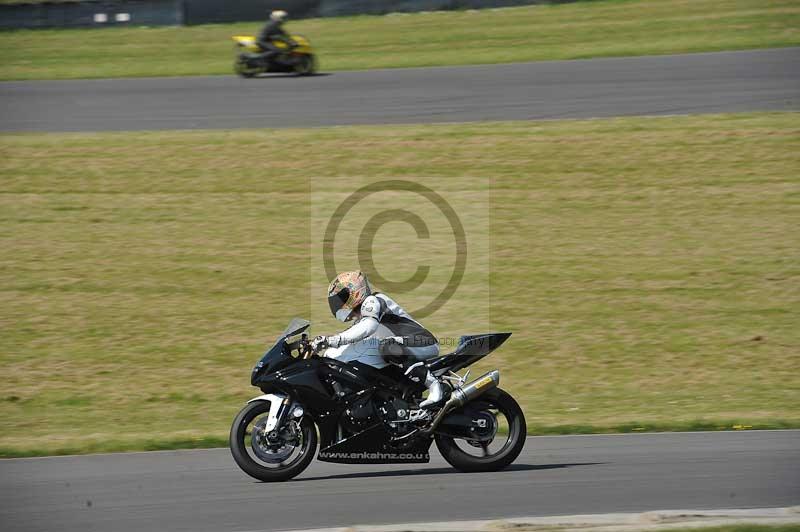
(470, 349)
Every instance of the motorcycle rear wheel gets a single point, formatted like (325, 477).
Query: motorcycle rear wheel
(499, 403)
(241, 69)
(241, 438)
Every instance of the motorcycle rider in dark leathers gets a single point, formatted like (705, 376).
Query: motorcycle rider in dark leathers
(273, 32)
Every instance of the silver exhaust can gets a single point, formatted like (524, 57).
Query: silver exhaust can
(464, 394)
(470, 391)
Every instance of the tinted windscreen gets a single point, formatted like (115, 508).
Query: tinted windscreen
(296, 326)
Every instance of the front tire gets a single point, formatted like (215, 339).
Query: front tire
(246, 455)
(497, 402)
(306, 65)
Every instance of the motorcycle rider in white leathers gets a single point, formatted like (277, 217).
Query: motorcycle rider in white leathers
(383, 334)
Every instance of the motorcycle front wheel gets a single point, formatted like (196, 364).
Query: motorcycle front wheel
(280, 455)
(306, 65)
(488, 454)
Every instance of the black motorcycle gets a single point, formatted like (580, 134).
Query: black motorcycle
(371, 416)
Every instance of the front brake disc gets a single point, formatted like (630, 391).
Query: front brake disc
(272, 453)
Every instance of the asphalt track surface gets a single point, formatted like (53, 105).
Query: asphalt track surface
(654, 85)
(205, 491)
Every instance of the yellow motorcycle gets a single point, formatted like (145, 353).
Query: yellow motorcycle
(250, 58)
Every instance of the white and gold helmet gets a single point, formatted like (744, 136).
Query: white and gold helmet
(346, 293)
(278, 15)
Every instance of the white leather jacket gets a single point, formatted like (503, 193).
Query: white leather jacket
(382, 317)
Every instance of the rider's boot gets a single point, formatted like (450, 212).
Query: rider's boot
(438, 392)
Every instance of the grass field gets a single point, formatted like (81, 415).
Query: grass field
(567, 31)
(649, 269)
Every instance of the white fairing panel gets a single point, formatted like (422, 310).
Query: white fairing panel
(275, 401)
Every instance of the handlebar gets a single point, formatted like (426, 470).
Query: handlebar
(303, 347)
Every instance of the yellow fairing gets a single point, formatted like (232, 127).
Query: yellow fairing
(248, 42)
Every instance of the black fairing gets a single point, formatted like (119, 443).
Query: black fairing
(470, 349)
(300, 379)
(278, 356)
(372, 446)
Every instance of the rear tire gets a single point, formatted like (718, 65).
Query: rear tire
(242, 70)
(239, 443)
(517, 431)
